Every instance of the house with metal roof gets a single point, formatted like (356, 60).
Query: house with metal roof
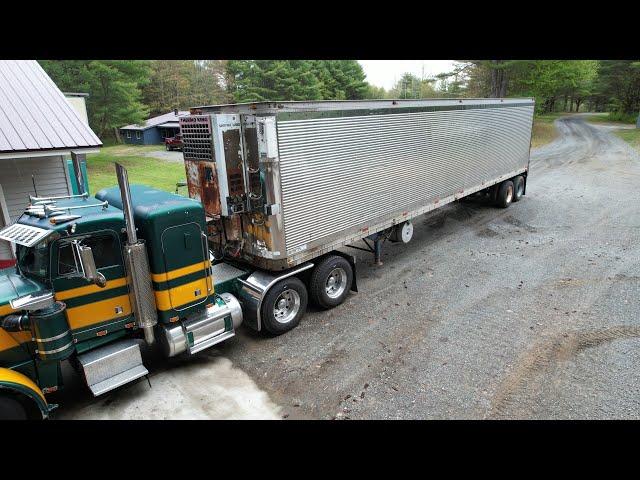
(154, 130)
(39, 131)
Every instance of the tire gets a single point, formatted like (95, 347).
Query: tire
(168, 148)
(11, 408)
(278, 318)
(505, 194)
(518, 188)
(330, 282)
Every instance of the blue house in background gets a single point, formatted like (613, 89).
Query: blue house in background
(154, 130)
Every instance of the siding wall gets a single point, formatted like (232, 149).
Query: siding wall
(150, 136)
(133, 140)
(15, 177)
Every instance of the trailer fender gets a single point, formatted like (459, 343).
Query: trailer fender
(22, 385)
(254, 289)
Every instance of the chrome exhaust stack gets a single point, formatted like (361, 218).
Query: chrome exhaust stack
(137, 264)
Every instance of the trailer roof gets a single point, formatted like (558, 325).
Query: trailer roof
(332, 105)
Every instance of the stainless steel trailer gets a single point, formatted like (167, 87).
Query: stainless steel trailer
(286, 182)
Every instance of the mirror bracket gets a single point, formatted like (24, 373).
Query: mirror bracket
(86, 264)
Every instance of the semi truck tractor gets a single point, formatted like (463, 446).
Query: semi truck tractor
(276, 189)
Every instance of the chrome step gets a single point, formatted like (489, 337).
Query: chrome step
(112, 365)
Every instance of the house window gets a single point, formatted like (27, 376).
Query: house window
(128, 133)
(138, 135)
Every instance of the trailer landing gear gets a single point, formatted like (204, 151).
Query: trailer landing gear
(376, 248)
(400, 233)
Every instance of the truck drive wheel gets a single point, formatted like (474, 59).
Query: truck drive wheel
(11, 408)
(330, 282)
(284, 306)
(505, 194)
(518, 188)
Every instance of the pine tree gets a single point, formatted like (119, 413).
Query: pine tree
(114, 88)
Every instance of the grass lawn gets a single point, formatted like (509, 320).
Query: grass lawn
(632, 137)
(604, 118)
(543, 130)
(154, 172)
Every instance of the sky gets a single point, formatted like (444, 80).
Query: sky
(384, 73)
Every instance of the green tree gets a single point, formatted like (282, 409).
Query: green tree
(182, 84)
(169, 84)
(208, 83)
(409, 86)
(617, 88)
(375, 93)
(341, 79)
(264, 80)
(546, 80)
(114, 88)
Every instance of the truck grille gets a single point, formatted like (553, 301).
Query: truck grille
(197, 143)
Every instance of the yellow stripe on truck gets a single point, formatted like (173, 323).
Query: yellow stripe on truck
(89, 289)
(178, 296)
(10, 340)
(179, 272)
(98, 312)
(6, 310)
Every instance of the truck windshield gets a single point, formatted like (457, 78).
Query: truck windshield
(34, 260)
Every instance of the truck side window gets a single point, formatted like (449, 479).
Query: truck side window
(105, 251)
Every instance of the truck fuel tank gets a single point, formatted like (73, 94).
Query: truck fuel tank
(206, 328)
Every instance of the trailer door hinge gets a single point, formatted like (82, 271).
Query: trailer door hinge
(272, 209)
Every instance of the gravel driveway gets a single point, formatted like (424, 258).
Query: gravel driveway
(528, 312)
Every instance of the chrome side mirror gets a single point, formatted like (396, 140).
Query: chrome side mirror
(86, 264)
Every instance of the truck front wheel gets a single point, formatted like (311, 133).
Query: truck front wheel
(284, 305)
(505, 194)
(330, 282)
(11, 408)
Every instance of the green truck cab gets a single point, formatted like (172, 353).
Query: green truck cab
(96, 275)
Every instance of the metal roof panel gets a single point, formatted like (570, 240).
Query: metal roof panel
(34, 114)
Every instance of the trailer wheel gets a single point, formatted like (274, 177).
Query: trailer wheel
(284, 305)
(505, 194)
(518, 188)
(11, 408)
(330, 282)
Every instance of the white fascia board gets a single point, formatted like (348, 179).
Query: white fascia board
(48, 153)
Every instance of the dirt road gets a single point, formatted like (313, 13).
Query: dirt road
(528, 312)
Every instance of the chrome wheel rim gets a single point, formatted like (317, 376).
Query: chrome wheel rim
(520, 189)
(286, 306)
(509, 193)
(336, 283)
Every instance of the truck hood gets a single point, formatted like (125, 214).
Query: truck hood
(14, 285)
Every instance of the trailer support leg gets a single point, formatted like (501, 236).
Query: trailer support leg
(377, 247)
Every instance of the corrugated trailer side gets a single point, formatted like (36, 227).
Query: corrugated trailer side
(285, 184)
(350, 171)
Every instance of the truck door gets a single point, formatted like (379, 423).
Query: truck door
(186, 261)
(91, 308)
